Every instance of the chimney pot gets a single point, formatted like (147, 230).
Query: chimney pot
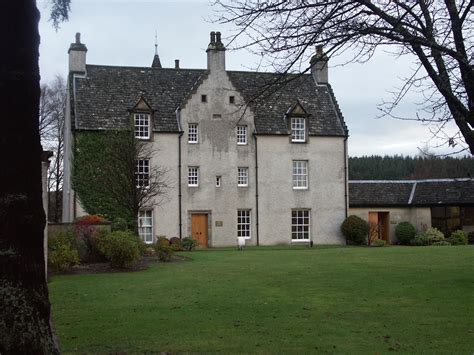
(213, 37)
(78, 38)
(218, 37)
(176, 63)
(319, 49)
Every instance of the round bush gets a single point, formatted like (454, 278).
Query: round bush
(434, 235)
(122, 249)
(189, 243)
(164, 252)
(405, 232)
(62, 254)
(176, 244)
(458, 237)
(163, 241)
(355, 229)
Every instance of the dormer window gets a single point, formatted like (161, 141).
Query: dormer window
(142, 125)
(298, 129)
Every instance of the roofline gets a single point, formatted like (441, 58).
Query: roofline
(148, 68)
(439, 204)
(408, 181)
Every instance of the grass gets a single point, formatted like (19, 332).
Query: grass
(276, 300)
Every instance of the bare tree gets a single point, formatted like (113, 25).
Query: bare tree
(438, 33)
(51, 123)
(132, 180)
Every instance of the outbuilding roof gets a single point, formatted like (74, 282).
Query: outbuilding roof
(403, 193)
(104, 97)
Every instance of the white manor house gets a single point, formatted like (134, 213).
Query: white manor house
(269, 167)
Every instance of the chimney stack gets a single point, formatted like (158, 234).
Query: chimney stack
(319, 66)
(176, 63)
(216, 53)
(77, 56)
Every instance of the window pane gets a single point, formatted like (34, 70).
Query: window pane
(242, 177)
(145, 225)
(142, 125)
(193, 176)
(298, 129)
(241, 134)
(300, 225)
(193, 133)
(142, 173)
(243, 223)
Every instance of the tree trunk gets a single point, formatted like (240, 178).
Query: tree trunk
(24, 306)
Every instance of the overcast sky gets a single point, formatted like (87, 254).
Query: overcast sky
(122, 32)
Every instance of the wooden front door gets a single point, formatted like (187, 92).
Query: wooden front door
(199, 229)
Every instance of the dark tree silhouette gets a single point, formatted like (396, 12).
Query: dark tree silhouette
(24, 307)
(438, 33)
(51, 124)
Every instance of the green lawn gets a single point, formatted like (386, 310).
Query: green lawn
(276, 300)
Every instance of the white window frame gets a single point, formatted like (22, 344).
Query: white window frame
(193, 176)
(242, 135)
(218, 180)
(141, 123)
(298, 226)
(244, 223)
(298, 129)
(243, 177)
(193, 133)
(300, 175)
(142, 173)
(145, 225)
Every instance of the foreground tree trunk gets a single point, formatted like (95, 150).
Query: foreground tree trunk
(24, 306)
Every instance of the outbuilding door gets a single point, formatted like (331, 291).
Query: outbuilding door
(379, 223)
(199, 228)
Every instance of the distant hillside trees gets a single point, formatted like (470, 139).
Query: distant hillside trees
(400, 167)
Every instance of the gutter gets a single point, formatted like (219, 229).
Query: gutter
(256, 186)
(178, 118)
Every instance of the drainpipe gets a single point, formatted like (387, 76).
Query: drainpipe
(178, 117)
(256, 186)
(346, 200)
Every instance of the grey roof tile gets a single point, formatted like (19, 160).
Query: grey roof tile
(282, 92)
(429, 192)
(104, 97)
(379, 193)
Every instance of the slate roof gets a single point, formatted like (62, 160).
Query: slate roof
(269, 108)
(433, 192)
(104, 97)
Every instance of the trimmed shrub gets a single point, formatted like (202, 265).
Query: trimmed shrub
(434, 235)
(162, 240)
(90, 219)
(62, 253)
(442, 243)
(470, 237)
(355, 229)
(122, 249)
(189, 243)
(431, 236)
(378, 243)
(458, 237)
(420, 240)
(176, 244)
(164, 252)
(405, 232)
